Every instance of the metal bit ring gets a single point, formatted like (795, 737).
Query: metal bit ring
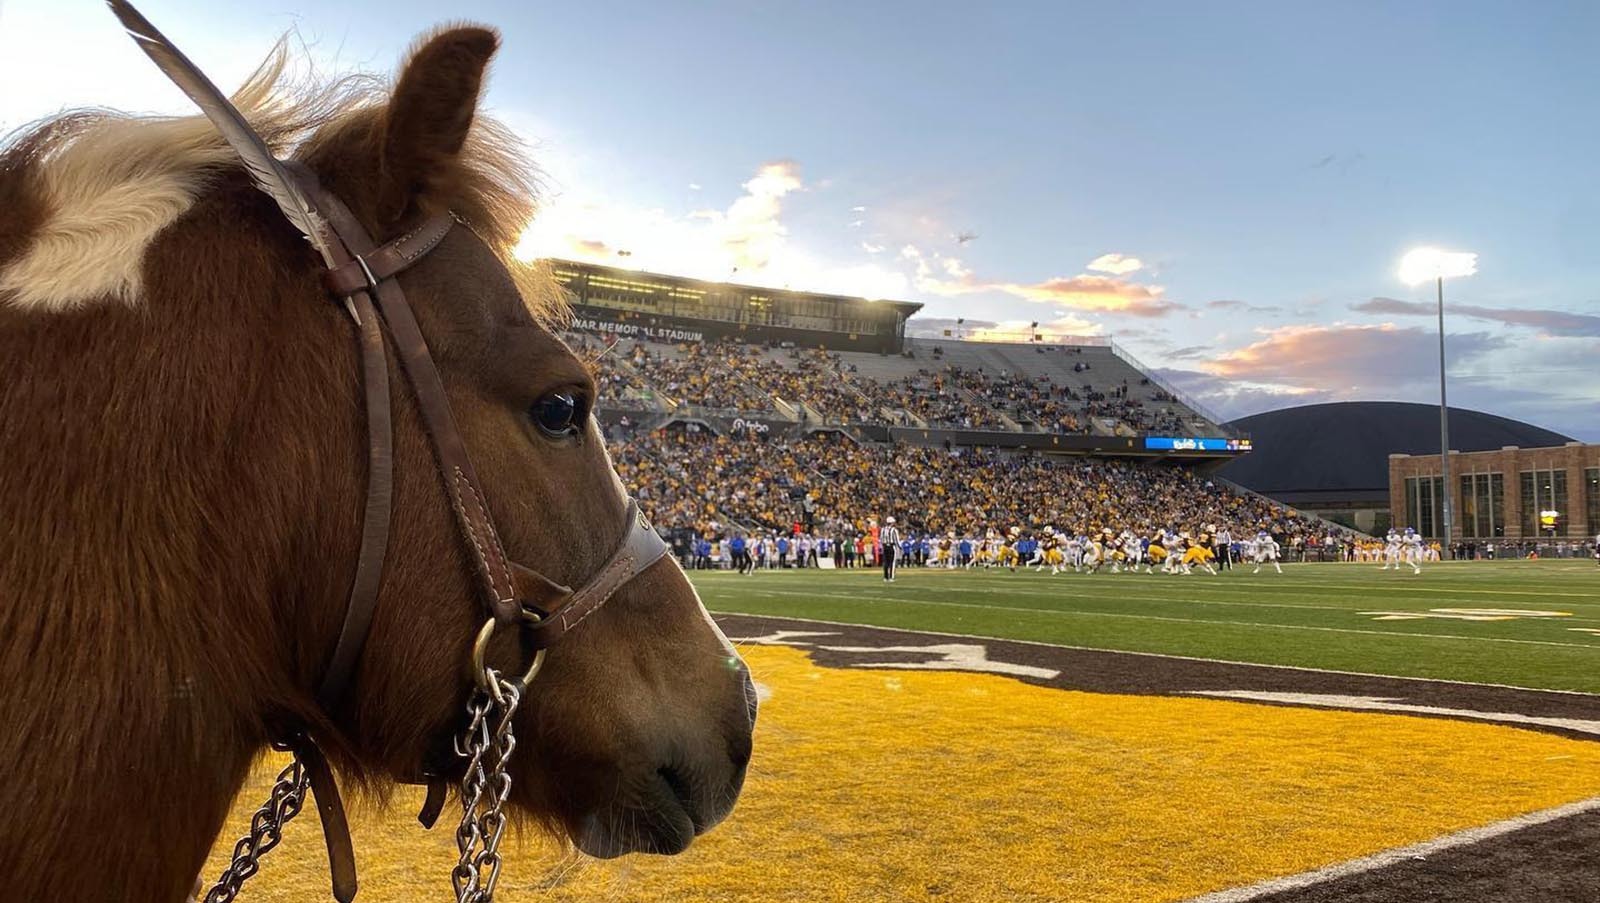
(485, 676)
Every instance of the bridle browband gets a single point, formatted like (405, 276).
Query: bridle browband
(362, 274)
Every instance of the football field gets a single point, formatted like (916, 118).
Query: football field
(989, 737)
(1529, 624)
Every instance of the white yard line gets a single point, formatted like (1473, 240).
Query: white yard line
(1203, 585)
(1396, 855)
(1186, 658)
(1066, 612)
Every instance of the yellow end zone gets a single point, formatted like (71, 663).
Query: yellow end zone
(891, 785)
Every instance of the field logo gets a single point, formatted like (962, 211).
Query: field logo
(937, 656)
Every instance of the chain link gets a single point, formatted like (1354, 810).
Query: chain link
(266, 829)
(485, 786)
(487, 744)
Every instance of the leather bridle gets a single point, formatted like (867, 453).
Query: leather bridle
(363, 275)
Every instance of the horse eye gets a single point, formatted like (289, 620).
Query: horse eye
(556, 414)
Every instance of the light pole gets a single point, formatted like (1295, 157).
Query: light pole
(1417, 267)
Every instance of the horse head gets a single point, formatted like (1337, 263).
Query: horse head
(637, 730)
(186, 460)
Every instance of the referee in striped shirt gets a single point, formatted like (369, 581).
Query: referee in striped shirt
(889, 546)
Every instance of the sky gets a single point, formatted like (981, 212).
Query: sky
(1224, 189)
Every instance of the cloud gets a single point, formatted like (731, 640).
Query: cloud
(1549, 322)
(1105, 294)
(1186, 351)
(1229, 304)
(1229, 399)
(871, 248)
(1313, 363)
(1065, 325)
(858, 210)
(1115, 264)
(694, 186)
(751, 228)
(747, 241)
(1345, 357)
(934, 327)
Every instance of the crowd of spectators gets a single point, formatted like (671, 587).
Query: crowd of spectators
(699, 481)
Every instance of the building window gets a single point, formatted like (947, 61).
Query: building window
(1423, 497)
(1591, 478)
(1544, 491)
(1482, 513)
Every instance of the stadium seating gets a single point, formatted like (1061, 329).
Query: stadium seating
(691, 478)
(960, 385)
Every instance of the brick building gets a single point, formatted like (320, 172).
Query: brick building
(1512, 493)
(1333, 459)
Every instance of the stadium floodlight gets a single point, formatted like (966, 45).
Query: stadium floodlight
(1429, 264)
(1417, 267)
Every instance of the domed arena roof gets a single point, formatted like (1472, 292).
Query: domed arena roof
(1342, 449)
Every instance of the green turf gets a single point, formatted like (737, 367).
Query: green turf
(1313, 615)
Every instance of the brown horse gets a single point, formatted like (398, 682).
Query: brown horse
(182, 472)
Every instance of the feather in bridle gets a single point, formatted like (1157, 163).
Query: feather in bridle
(265, 170)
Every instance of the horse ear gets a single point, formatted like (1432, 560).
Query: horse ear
(430, 113)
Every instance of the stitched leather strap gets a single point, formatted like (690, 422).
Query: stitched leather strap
(461, 481)
(375, 521)
(639, 549)
(383, 263)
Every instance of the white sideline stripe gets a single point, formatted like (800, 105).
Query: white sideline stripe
(1190, 600)
(1293, 587)
(1074, 612)
(1186, 658)
(1381, 704)
(1398, 854)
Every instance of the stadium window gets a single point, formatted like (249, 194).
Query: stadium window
(1591, 479)
(1482, 499)
(1423, 495)
(1543, 490)
(1497, 503)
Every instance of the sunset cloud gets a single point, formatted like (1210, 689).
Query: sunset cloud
(1115, 264)
(950, 277)
(1344, 356)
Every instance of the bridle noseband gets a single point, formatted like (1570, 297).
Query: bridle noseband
(362, 274)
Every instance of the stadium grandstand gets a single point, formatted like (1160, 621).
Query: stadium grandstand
(738, 409)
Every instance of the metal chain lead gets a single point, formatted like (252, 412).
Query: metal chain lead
(485, 786)
(266, 829)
